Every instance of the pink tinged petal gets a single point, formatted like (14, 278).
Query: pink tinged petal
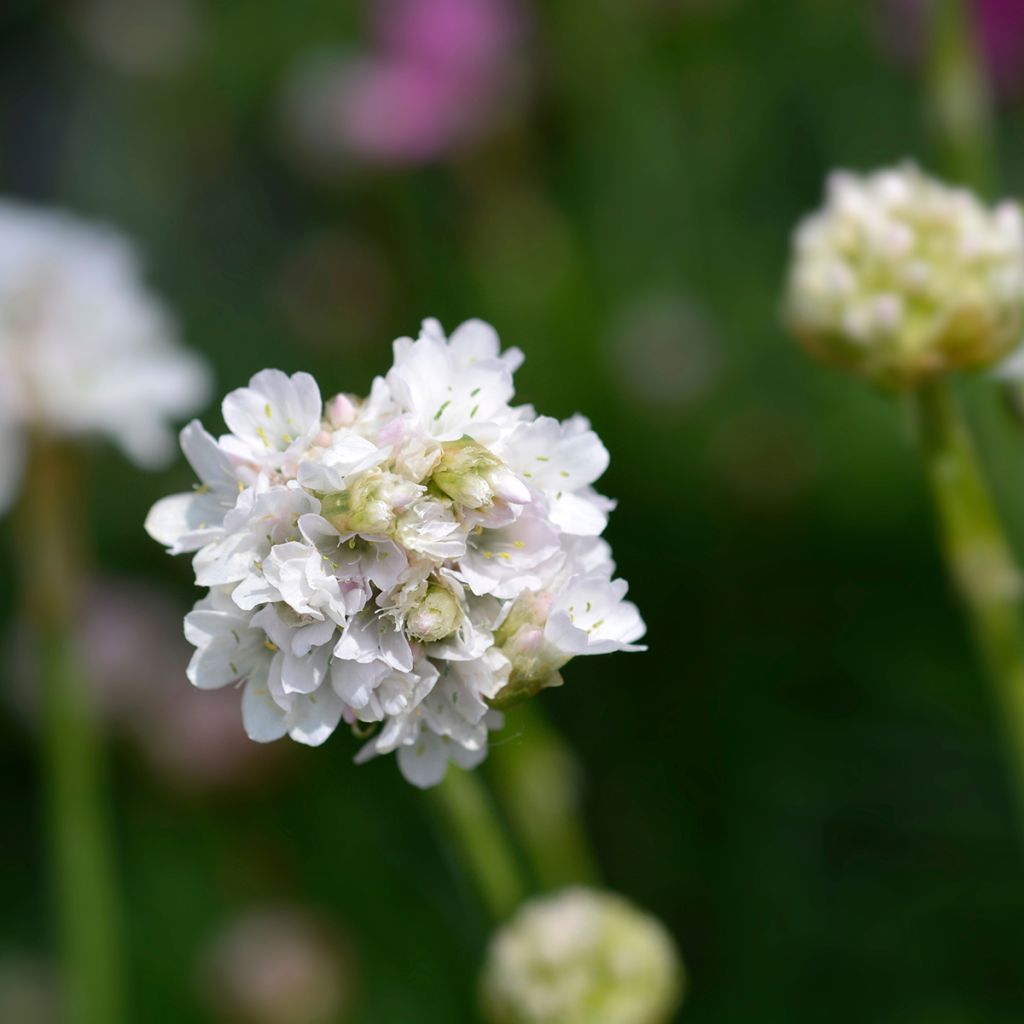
(262, 719)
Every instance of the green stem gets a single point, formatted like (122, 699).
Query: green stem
(482, 841)
(958, 94)
(537, 781)
(978, 554)
(49, 546)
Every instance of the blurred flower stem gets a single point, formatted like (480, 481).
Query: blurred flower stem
(537, 780)
(959, 106)
(977, 551)
(49, 547)
(482, 841)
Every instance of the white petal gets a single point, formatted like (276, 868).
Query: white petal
(425, 762)
(263, 720)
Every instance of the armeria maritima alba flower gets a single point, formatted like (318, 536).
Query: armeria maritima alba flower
(407, 563)
(901, 277)
(85, 348)
(582, 957)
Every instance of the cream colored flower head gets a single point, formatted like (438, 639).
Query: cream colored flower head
(582, 957)
(900, 278)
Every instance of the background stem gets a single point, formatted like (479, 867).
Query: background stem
(49, 549)
(482, 842)
(958, 97)
(978, 554)
(537, 780)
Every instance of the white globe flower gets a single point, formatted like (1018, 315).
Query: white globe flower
(85, 348)
(900, 277)
(407, 564)
(581, 957)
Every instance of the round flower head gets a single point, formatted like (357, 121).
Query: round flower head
(85, 349)
(408, 563)
(900, 278)
(581, 957)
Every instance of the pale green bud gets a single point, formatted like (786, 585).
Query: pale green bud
(473, 477)
(582, 957)
(535, 662)
(371, 504)
(436, 615)
(901, 278)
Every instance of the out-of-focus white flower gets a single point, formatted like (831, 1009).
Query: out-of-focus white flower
(901, 277)
(408, 563)
(85, 348)
(279, 965)
(582, 957)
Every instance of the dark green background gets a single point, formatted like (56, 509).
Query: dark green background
(803, 777)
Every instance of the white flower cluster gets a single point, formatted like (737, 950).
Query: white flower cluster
(406, 563)
(582, 957)
(85, 348)
(901, 277)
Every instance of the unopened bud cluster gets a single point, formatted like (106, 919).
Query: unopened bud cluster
(900, 278)
(582, 957)
(408, 563)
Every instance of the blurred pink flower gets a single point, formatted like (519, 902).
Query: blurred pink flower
(463, 37)
(279, 965)
(397, 111)
(435, 76)
(903, 30)
(131, 642)
(1001, 27)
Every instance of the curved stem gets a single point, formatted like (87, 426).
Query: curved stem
(978, 554)
(538, 783)
(960, 108)
(482, 841)
(49, 550)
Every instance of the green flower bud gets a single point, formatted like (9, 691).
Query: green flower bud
(581, 957)
(901, 278)
(535, 663)
(472, 477)
(370, 505)
(436, 615)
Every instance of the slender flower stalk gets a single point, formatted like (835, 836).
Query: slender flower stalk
(537, 780)
(50, 546)
(977, 552)
(958, 96)
(484, 849)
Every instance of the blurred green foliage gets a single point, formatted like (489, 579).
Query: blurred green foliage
(803, 777)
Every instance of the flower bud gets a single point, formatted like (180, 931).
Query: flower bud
(535, 663)
(436, 615)
(471, 476)
(581, 957)
(901, 278)
(370, 504)
(341, 411)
